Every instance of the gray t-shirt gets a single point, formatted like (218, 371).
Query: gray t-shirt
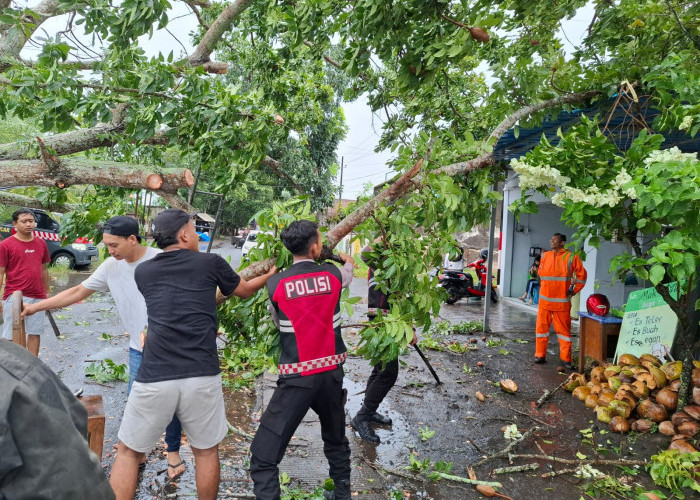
(117, 277)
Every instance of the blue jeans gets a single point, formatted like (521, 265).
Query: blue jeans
(532, 285)
(173, 432)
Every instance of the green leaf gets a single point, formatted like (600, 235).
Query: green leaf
(656, 274)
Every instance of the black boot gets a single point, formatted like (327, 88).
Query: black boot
(361, 424)
(341, 492)
(380, 419)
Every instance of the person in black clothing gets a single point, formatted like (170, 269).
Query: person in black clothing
(179, 373)
(44, 452)
(382, 379)
(305, 305)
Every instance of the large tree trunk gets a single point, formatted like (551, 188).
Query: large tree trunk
(75, 171)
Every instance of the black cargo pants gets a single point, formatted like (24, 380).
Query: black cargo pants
(323, 393)
(380, 383)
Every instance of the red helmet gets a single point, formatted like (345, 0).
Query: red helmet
(598, 304)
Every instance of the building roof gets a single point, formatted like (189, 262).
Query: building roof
(205, 217)
(622, 128)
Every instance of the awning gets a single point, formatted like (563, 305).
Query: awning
(205, 217)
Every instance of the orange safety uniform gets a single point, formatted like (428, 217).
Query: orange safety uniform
(560, 271)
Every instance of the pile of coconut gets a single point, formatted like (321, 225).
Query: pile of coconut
(640, 393)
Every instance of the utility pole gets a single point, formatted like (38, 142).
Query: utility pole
(489, 265)
(340, 190)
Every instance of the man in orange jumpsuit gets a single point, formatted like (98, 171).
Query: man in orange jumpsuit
(561, 276)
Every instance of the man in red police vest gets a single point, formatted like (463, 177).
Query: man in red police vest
(561, 277)
(305, 302)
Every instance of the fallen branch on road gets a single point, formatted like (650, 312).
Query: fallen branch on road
(547, 394)
(506, 451)
(559, 472)
(568, 461)
(461, 479)
(238, 431)
(516, 468)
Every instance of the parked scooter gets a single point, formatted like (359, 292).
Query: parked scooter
(459, 284)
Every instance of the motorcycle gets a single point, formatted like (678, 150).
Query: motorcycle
(459, 284)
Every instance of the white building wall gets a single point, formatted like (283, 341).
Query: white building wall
(535, 230)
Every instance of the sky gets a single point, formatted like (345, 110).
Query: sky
(361, 165)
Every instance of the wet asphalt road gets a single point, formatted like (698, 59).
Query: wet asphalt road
(465, 430)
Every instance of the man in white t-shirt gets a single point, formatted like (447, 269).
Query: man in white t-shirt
(116, 275)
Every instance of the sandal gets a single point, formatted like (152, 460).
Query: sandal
(175, 467)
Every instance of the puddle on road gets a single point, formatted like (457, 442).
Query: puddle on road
(392, 449)
(62, 280)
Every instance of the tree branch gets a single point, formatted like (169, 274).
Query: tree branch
(221, 25)
(396, 190)
(510, 121)
(568, 461)
(175, 201)
(117, 90)
(199, 3)
(408, 179)
(13, 39)
(66, 143)
(681, 25)
(275, 166)
(195, 11)
(8, 198)
(80, 65)
(75, 171)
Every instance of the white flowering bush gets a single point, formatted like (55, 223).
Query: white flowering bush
(537, 176)
(686, 123)
(544, 176)
(669, 156)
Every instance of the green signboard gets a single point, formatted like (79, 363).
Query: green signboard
(649, 324)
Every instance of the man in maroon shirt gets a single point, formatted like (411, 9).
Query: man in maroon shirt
(24, 262)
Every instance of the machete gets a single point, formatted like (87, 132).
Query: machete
(53, 323)
(427, 363)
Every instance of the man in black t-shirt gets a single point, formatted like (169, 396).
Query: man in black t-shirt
(180, 372)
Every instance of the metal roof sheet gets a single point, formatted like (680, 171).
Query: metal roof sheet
(621, 128)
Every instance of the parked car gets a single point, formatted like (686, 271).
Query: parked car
(69, 255)
(251, 242)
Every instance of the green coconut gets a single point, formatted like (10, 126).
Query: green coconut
(672, 369)
(604, 414)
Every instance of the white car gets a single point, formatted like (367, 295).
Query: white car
(250, 242)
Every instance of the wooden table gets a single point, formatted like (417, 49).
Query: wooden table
(597, 337)
(96, 422)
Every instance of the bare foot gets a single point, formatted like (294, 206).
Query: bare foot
(176, 465)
